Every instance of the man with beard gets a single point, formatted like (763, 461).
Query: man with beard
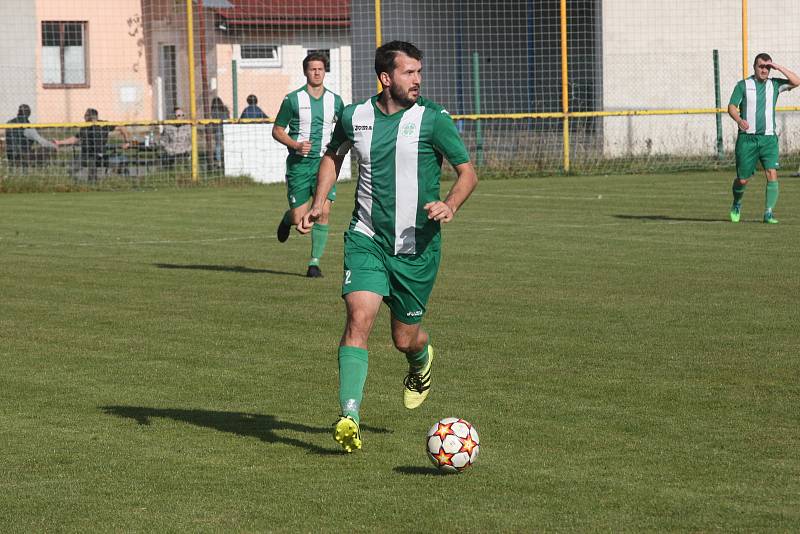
(392, 247)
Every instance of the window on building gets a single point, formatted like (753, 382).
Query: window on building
(260, 55)
(64, 54)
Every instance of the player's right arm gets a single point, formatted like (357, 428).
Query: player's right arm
(328, 172)
(733, 106)
(279, 129)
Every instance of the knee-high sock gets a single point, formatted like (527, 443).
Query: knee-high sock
(738, 191)
(352, 376)
(417, 360)
(319, 238)
(772, 195)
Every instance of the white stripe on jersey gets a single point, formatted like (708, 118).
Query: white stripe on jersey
(406, 180)
(364, 116)
(769, 108)
(304, 113)
(751, 94)
(328, 111)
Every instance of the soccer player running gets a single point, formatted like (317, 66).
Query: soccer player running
(752, 106)
(310, 112)
(392, 247)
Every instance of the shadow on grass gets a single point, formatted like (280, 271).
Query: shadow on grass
(225, 268)
(668, 218)
(417, 470)
(263, 427)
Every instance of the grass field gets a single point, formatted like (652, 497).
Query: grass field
(629, 358)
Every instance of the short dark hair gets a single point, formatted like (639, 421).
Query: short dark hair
(315, 56)
(384, 55)
(91, 113)
(252, 100)
(24, 110)
(763, 56)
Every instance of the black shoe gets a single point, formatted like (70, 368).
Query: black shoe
(283, 231)
(314, 272)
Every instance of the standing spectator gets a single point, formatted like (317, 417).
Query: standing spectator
(218, 111)
(252, 111)
(19, 141)
(176, 140)
(93, 141)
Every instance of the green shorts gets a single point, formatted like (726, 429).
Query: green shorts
(753, 148)
(404, 281)
(301, 180)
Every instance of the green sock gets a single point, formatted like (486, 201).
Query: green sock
(287, 218)
(417, 360)
(352, 375)
(738, 191)
(319, 238)
(772, 195)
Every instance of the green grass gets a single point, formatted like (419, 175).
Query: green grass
(628, 357)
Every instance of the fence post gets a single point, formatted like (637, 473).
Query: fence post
(564, 84)
(192, 93)
(717, 103)
(476, 95)
(378, 33)
(235, 89)
(744, 39)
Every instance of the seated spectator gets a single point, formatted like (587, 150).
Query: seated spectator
(20, 148)
(176, 140)
(252, 111)
(93, 142)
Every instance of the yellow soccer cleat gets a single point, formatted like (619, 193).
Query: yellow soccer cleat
(347, 434)
(418, 384)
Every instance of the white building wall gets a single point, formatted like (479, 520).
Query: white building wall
(658, 55)
(18, 42)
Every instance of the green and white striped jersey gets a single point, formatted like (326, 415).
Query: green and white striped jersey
(756, 102)
(310, 118)
(399, 167)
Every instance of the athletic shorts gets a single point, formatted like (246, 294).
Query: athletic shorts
(404, 281)
(753, 148)
(301, 180)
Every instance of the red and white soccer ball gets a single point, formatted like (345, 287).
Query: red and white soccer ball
(453, 444)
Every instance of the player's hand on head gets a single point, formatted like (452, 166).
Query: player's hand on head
(439, 211)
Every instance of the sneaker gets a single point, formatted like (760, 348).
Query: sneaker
(736, 212)
(283, 231)
(347, 434)
(769, 218)
(418, 384)
(314, 271)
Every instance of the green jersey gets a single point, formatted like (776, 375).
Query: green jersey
(400, 164)
(756, 102)
(310, 118)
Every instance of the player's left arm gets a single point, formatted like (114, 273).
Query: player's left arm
(794, 79)
(447, 142)
(466, 182)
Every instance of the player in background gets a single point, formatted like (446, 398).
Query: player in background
(392, 247)
(752, 106)
(310, 113)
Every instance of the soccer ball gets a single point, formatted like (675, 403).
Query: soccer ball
(452, 444)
